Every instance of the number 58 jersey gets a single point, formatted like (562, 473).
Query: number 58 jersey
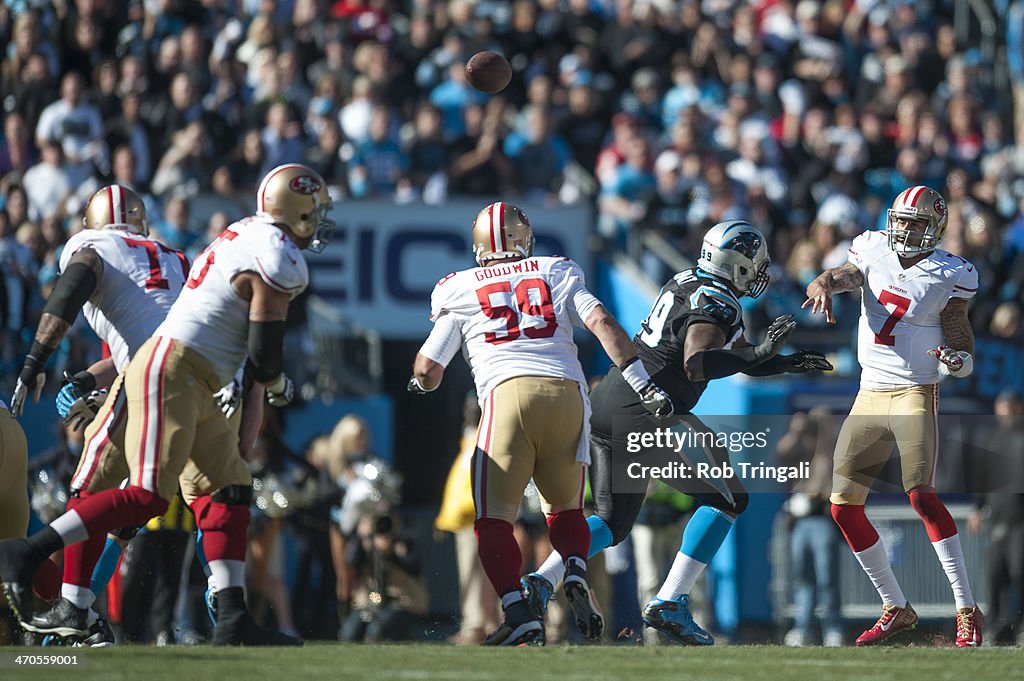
(141, 280)
(516, 319)
(900, 311)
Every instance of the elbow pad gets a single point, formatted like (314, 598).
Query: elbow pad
(266, 350)
(72, 291)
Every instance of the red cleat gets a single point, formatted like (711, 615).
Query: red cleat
(893, 621)
(969, 622)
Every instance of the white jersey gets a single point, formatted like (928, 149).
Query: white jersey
(141, 280)
(209, 316)
(516, 319)
(900, 311)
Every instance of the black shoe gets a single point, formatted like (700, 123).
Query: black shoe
(100, 635)
(236, 627)
(520, 628)
(18, 565)
(585, 610)
(64, 619)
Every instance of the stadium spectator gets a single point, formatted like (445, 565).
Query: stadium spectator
(478, 604)
(814, 542)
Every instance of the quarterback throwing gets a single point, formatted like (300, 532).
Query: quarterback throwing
(913, 328)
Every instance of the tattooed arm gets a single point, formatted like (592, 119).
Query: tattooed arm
(956, 327)
(957, 355)
(836, 280)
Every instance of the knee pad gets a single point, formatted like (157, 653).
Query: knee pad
(937, 520)
(213, 516)
(854, 524)
(740, 500)
(619, 530)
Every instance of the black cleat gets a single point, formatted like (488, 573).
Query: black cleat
(585, 610)
(64, 619)
(236, 627)
(520, 628)
(100, 635)
(18, 565)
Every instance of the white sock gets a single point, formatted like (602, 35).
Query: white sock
(70, 528)
(211, 583)
(951, 556)
(510, 598)
(553, 569)
(80, 596)
(875, 562)
(681, 578)
(228, 573)
(91, 617)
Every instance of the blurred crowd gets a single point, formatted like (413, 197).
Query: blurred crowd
(805, 117)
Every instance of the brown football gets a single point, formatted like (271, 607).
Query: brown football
(488, 72)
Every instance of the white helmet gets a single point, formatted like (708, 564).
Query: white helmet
(917, 203)
(737, 252)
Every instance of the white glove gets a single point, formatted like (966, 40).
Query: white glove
(955, 363)
(84, 409)
(229, 398)
(281, 391)
(654, 399)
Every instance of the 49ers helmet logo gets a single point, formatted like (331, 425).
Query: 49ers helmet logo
(940, 206)
(304, 184)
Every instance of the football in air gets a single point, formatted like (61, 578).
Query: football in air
(488, 72)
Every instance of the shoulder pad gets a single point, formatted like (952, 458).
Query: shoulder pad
(87, 238)
(713, 303)
(283, 267)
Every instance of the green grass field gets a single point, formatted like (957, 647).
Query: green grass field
(562, 663)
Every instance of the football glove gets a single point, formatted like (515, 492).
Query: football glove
(803, 361)
(656, 401)
(281, 392)
(415, 387)
(229, 398)
(776, 337)
(83, 410)
(956, 363)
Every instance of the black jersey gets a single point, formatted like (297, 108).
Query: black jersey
(690, 296)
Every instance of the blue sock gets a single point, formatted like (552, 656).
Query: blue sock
(600, 535)
(704, 533)
(200, 554)
(106, 565)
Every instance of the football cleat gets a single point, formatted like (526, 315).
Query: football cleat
(64, 619)
(520, 628)
(576, 585)
(538, 592)
(969, 622)
(894, 620)
(673, 619)
(18, 565)
(100, 635)
(236, 627)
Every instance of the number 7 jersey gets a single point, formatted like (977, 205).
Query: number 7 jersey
(141, 280)
(900, 311)
(516, 318)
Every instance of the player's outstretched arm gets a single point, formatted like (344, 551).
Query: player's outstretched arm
(435, 354)
(704, 358)
(957, 355)
(836, 280)
(69, 295)
(618, 346)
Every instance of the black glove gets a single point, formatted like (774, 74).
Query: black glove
(656, 400)
(415, 388)
(803, 361)
(776, 337)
